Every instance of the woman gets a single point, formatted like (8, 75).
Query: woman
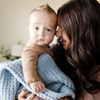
(79, 32)
(78, 50)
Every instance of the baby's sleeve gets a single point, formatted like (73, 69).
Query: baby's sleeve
(29, 61)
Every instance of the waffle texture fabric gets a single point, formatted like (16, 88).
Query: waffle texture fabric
(12, 81)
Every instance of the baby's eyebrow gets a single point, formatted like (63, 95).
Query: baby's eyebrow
(39, 23)
(51, 26)
(35, 23)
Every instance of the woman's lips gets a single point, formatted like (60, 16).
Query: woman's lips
(62, 40)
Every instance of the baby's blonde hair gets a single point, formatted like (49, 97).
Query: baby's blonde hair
(44, 8)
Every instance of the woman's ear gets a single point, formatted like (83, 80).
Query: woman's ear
(28, 28)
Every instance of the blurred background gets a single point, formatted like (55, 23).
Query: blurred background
(14, 16)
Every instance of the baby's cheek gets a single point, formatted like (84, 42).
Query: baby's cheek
(34, 40)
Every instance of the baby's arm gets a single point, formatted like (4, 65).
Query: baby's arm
(29, 60)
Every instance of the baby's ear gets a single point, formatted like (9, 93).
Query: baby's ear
(28, 28)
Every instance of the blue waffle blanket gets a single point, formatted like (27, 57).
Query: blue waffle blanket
(12, 81)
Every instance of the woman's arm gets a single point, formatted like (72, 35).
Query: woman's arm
(21, 96)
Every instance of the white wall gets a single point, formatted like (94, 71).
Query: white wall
(14, 15)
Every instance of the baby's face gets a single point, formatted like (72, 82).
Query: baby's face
(42, 27)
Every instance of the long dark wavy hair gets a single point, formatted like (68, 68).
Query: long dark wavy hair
(80, 20)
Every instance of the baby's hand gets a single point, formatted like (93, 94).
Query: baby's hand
(37, 86)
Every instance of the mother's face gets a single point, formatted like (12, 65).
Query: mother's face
(61, 33)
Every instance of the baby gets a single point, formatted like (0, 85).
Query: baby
(42, 28)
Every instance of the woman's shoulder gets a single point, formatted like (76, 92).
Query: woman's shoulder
(53, 45)
(95, 73)
(84, 95)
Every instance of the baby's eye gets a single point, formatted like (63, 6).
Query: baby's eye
(36, 28)
(48, 30)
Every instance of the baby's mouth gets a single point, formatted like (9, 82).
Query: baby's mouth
(41, 39)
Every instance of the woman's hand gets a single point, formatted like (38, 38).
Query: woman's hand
(21, 96)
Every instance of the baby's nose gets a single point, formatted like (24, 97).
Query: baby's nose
(41, 32)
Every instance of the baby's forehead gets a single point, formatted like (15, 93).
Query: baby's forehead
(43, 18)
(44, 12)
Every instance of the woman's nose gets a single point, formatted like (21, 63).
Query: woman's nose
(58, 33)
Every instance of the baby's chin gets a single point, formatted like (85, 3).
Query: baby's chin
(42, 44)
